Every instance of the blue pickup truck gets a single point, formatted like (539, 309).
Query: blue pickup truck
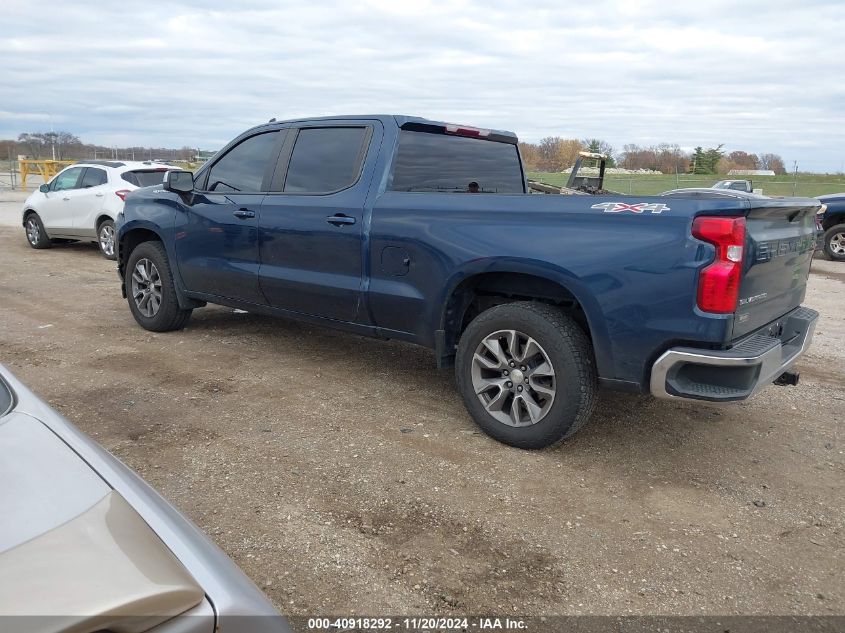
(404, 228)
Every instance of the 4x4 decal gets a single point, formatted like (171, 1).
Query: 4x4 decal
(636, 207)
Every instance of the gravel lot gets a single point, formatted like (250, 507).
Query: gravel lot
(343, 475)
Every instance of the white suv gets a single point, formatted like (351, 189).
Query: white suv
(83, 200)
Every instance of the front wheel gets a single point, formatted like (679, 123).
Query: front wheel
(105, 238)
(35, 233)
(526, 374)
(834, 243)
(150, 289)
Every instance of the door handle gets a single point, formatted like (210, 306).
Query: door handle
(65, 199)
(98, 195)
(339, 219)
(244, 214)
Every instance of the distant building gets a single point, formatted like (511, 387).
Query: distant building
(751, 172)
(203, 156)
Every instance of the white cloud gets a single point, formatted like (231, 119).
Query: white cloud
(760, 76)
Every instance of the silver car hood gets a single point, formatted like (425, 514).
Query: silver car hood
(72, 550)
(54, 480)
(44, 483)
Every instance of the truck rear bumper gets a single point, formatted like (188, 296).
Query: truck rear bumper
(735, 374)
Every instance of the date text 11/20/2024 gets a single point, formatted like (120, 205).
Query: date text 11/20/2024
(417, 624)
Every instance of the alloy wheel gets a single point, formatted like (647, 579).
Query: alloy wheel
(107, 239)
(146, 287)
(33, 232)
(513, 378)
(837, 243)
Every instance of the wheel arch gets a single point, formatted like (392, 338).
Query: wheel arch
(832, 219)
(496, 282)
(129, 239)
(102, 217)
(26, 213)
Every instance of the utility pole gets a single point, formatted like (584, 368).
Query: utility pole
(52, 136)
(794, 176)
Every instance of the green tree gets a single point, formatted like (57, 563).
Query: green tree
(697, 166)
(598, 146)
(706, 161)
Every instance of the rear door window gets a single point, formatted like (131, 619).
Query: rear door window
(144, 177)
(243, 167)
(67, 179)
(326, 159)
(93, 177)
(453, 164)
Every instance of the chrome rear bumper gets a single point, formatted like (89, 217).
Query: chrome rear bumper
(735, 374)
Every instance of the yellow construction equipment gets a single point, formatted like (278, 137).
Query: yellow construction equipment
(47, 168)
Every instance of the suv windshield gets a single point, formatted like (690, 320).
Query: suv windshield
(438, 162)
(144, 178)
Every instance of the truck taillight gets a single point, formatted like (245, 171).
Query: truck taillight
(121, 193)
(718, 283)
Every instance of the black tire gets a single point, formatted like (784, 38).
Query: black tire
(36, 235)
(169, 316)
(568, 350)
(107, 247)
(834, 242)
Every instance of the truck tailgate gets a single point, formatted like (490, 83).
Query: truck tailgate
(780, 240)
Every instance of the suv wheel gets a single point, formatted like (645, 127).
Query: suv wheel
(150, 290)
(105, 238)
(526, 374)
(834, 242)
(35, 233)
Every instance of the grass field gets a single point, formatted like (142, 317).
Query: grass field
(647, 185)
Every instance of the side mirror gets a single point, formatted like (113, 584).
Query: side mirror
(179, 180)
(44, 188)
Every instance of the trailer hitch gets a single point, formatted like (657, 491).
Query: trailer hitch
(787, 378)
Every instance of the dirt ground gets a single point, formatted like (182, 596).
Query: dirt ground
(344, 476)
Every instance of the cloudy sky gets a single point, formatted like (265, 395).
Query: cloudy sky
(760, 76)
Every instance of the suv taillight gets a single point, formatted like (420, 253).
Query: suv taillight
(121, 193)
(718, 283)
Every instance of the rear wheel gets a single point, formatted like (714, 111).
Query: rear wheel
(35, 233)
(105, 238)
(526, 374)
(834, 242)
(150, 289)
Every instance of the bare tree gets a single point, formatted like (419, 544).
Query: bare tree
(773, 162)
(41, 144)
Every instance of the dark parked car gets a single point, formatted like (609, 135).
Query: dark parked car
(832, 226)
(399, 227)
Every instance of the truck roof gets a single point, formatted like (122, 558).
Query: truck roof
(402, 120)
